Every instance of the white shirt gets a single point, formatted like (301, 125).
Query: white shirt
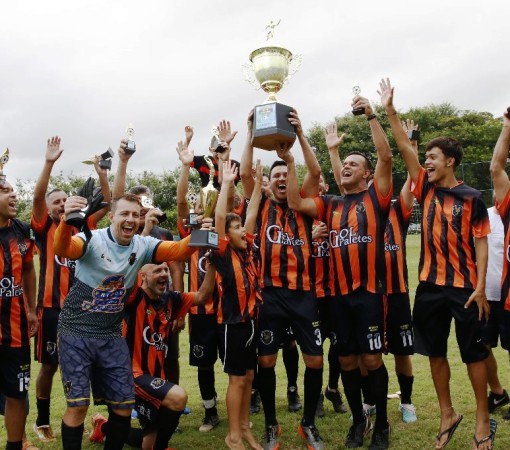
(495, 240)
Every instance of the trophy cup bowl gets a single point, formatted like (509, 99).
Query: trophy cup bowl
(271, 69)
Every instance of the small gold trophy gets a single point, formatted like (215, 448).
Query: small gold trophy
(208, 199)
(130, 134)
(356, 90)
(4, 159)
(270, 68)
(191, 199)
(105, 159)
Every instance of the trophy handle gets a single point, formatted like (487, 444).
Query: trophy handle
(249, 75)
(294, 65)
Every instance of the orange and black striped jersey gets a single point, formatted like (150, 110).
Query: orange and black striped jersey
(236, 281)
(395, 247)
(242, 208)
(196, 275)
(451, 219)
(17, 250)
(504, 212)
(56, 274)
(285, 241)
(148, 327)
(356, 224)
(321, 259)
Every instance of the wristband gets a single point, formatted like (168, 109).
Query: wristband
(391, 114)
(371, 116)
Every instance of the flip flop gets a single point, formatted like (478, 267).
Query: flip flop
(493, 425)
(448, 432)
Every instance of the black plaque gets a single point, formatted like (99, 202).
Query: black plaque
(271, 126)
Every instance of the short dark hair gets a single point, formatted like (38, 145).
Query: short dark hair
(231, 217)
(141, 190)
(450, 147)
(368, 163)
(53, 191)
(128, 197)
(278, 162)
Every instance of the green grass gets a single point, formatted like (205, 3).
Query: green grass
(333, 427)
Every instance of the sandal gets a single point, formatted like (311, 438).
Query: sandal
(493, 425)
(448, 432)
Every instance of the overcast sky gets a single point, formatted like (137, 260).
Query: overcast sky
(83, 70)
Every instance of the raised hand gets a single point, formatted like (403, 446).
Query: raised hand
(362, 102)
(258, 172)
(123, 155)
(229, 171)
(225, 133)
(409, 125)
(386, 93)
(283, 152)
(296, 121)
(185, 154)
(249, 121)
(53, 150)
(333, 140)
(188, 131)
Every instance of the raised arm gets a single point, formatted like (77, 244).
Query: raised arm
(403, 143)
(105, 190)
(247, 160)
(119, 183)
(53, 152)
(382, 171)
(303, 205)
(333, 142)
(499, 158)
(310, 185)
(253, 206)
(186, 157)
(407, 195)
(229, 175)
(206, 289)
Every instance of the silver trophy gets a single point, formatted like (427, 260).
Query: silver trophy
(356, 90)
(4, 159)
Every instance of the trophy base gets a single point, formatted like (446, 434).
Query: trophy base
(271, 126)
(204, 239)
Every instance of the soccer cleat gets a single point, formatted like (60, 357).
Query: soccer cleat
(408, 411)
(209, 423)
(97, 434)
(44, 433)
(380, 439)
(319, 411)
(293, 399)
(335, 398)
(271, 437)
(255, 402)
(496, 401)
(369, 410)
(311, 435)
(357, 433)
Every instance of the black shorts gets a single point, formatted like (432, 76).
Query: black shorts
(173, 347)
(14, 371)
(238, 348)
(203, 340)
(399, 326)
(325, 317)
(495, 328)
(46, 337)
(282, 308)
(358, 325)
(434, 308)
(149, 394)
(101, 364)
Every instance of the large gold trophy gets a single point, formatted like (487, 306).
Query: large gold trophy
(208, 199)
(270, 68)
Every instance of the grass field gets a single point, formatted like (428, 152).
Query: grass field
(333, 427)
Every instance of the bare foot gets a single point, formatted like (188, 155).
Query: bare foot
(248, 437)
(234, 445)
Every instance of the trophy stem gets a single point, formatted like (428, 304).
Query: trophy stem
(271, 98)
